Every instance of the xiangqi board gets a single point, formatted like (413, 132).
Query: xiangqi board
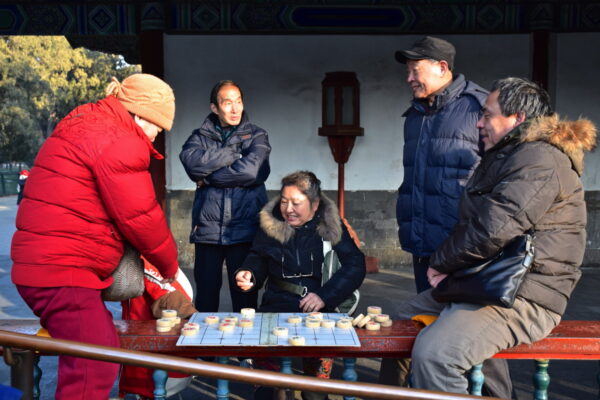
(262, 333)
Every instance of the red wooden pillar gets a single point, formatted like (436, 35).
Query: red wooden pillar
(341, 148)
(540, 62)
(152, 57)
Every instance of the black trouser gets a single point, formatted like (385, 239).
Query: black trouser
(420, 265)
(208, 270)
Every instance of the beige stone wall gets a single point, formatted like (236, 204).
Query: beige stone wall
(372, 214)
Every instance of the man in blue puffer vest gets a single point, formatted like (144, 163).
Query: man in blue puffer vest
(228, 158)
(441, 150)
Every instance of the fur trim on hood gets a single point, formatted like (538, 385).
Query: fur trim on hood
(329, 226)
(571, 137)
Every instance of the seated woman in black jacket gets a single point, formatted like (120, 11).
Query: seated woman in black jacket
(287, 254)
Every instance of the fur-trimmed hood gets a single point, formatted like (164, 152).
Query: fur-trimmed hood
(329, 225)
(571, 137)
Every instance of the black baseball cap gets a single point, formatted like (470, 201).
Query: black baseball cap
(429, 48)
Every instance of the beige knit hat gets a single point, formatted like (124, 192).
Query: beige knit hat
(147, 97)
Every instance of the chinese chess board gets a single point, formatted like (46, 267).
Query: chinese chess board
(261, 334)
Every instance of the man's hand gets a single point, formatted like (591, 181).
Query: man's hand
(230, 155)
(435, 277)
(244, 280)
(311, 302)
(172, 279)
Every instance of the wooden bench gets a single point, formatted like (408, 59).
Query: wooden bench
(571, 340)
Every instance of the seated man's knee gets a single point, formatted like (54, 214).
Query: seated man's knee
(429, 354)
(426, 354)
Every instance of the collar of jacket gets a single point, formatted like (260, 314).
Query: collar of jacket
(327, 220)
(225, 132)
(571, 137)
(211, 127)
(110, 105)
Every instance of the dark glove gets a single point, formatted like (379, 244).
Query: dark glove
(173, 301)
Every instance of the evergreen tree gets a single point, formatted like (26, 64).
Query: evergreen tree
(41, 80)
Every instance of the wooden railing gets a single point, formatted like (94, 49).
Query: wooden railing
(170, 363)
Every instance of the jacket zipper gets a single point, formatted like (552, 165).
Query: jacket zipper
(221, 227)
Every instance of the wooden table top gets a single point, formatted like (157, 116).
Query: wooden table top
(570, 340)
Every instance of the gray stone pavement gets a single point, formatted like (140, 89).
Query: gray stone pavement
(570, 380)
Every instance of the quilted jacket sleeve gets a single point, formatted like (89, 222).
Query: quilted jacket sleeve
(125, 186)
(249, 170)
(349, 277)
(201, 156)
(257, 261)
(524, 189)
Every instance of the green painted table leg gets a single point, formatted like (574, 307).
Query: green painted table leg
(476, 379)
(541, 380)
(37, 377)
(159, 377)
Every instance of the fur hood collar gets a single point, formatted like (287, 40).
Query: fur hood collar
(329, 225)
(571, 137)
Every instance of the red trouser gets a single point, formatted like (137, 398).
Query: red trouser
(78, 314)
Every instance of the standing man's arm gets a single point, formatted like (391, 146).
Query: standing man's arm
(251, 169)
(200, 160)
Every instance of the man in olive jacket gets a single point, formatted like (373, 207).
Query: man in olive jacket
(528, 178)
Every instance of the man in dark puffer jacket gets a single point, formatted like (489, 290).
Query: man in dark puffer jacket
(441, 149)
(228, 158)
(528, 179)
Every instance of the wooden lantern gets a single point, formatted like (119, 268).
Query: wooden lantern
(341, 120)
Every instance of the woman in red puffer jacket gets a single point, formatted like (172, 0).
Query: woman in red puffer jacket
(89, 191)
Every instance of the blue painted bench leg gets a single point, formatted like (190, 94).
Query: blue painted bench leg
(286, 368)
(222, 384)
(476, 379)
(286, 365)
(37, 377)
(160, 384)
(349, 373)
(541, 380)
